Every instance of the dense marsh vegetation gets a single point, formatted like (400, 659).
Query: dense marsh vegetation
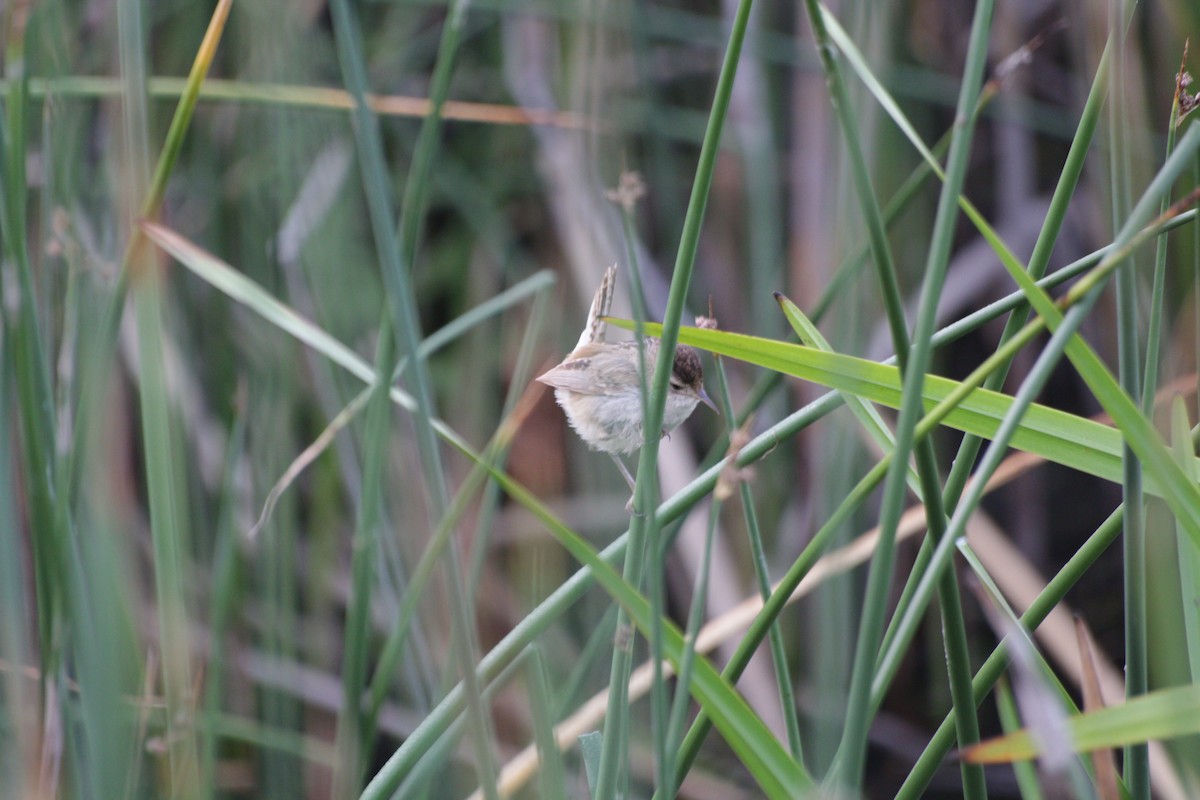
(235, 564)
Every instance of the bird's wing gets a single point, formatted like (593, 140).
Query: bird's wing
(571, 375)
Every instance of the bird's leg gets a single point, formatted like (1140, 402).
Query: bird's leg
(624, 471)
(628, 479)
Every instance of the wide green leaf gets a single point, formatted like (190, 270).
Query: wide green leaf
(1054, 435)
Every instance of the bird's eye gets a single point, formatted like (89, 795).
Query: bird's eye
(676, 385)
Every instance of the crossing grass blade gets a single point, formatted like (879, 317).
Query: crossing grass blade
(1164, 714)
(777, 773)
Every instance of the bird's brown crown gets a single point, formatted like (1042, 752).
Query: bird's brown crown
(687, 368)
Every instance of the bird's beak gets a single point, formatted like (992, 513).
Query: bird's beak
(704, 398)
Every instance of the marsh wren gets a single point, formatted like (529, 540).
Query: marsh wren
(598, 385)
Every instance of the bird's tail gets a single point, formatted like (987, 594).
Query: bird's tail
(601, 304)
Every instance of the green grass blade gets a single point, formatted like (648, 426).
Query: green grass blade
(1102, 384)
(169, 534)
(1188, 552)
(877, 241)
(397, 256)
(1052, 434)
(652, 555)
(763, 755)
(19, 707)
(227, 566)
(1136, 767)
(1157, 321)
(918, 779)
(590, 747)
(28, 355)
(679, 706)
(1181, 495)
(852, 751)
(758, 553)
(182, 118)
(351, 734)
(554, 781)
(1155, 716)
(168, 515)
(1027, 779)
(647, 474)
(864, 412)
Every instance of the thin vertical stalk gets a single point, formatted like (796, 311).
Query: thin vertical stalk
(626, 196)
(226, 571)
(969, 448)
(1158, 290)
(18, 710)
(96, 362)
(958, 660)
(880, 250)
(350, 730)
(169, 534)
(1039, 259)
(397, 256)
(647, 474)
(554, 781)
(1187, 553)
(852, 752)
(1137, 757)
(758, 555)
(480, 543)
(31, 366)
(668, 786)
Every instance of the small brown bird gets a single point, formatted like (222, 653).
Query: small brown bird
(598, 385)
